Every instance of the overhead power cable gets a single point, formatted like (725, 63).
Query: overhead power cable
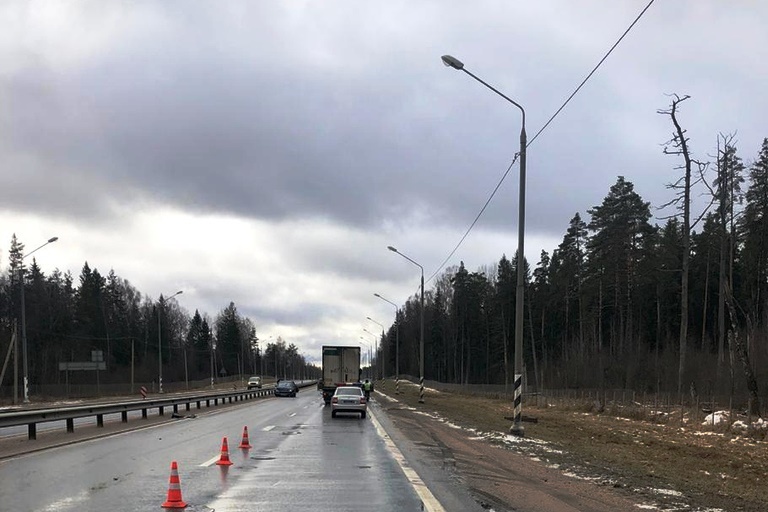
(549, 121)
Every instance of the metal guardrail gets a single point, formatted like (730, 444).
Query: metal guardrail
(32, 417)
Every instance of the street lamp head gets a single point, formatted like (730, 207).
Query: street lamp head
(391, 248)
(52, 239)
(377, 295)
(452, 62)
(179, 292)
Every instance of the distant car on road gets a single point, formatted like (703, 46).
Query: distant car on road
(286, 388)
(254, 382)
(349, 399)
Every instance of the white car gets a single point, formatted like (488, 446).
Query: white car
(349, 399)
(254, 382)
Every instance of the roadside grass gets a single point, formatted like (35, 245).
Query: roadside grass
(710, 466)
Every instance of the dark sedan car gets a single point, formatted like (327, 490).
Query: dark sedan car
(286, 388)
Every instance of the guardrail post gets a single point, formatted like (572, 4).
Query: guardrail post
(186, 406)
(70, 425)
(99, 420)
(32, 431)
(160, 410)
(143, 414)
(124, 416)
(175, 408)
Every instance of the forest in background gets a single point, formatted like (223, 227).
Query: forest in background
(621, 303)
(67, 320)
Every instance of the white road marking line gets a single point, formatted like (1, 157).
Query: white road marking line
(292, 415)
(209, 462)
(428, 500)
(267, 429)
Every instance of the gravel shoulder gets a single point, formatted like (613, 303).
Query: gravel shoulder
(578, 461)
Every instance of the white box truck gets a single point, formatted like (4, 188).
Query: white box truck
(341, 366)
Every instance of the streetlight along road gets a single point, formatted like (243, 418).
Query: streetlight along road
(368, 352)
(517, 427)
(382, 345)
(24, 320)
(159, 343)
(421, 335)
(397, 344)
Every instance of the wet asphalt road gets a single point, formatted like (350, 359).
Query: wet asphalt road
(301, 459)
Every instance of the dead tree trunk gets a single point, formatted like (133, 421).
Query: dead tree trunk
(738, 344)
(680, 144)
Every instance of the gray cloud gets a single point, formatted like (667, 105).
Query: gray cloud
(259, 112)
(338, 124)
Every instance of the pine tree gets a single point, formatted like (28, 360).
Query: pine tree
(228, 341)
(569, 276)
(754, 232)
(621, 232)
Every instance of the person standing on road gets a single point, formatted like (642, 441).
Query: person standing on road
(367, 387)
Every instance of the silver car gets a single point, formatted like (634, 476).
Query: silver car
(254, 382)
(348, 399)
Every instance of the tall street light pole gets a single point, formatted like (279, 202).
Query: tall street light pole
(397, 344)
(24, 320)
(381, 343)
(375, 337)
(368, 345)
(159, 341)
(517, 427)
(421, 335)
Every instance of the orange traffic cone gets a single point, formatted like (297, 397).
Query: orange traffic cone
(174, 490)
(224, 459)
(244, 443)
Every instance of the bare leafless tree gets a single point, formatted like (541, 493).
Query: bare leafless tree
(678, 146)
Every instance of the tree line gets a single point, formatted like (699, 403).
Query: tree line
(67, 319)
(676, 306)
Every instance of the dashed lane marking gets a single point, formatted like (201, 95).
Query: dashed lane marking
(209, 462)
(268, 428)
(428, 500)
(292, 415)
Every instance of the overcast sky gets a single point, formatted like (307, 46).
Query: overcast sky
(268, 152)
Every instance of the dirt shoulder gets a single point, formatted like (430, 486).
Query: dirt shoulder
(576, 461)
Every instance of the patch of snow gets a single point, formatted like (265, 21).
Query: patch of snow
(526, 441)
(716, 418)
(647, 507)
(571, 474)
(739, 427)
(708, 433)
(523, 440)
(668, 492)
